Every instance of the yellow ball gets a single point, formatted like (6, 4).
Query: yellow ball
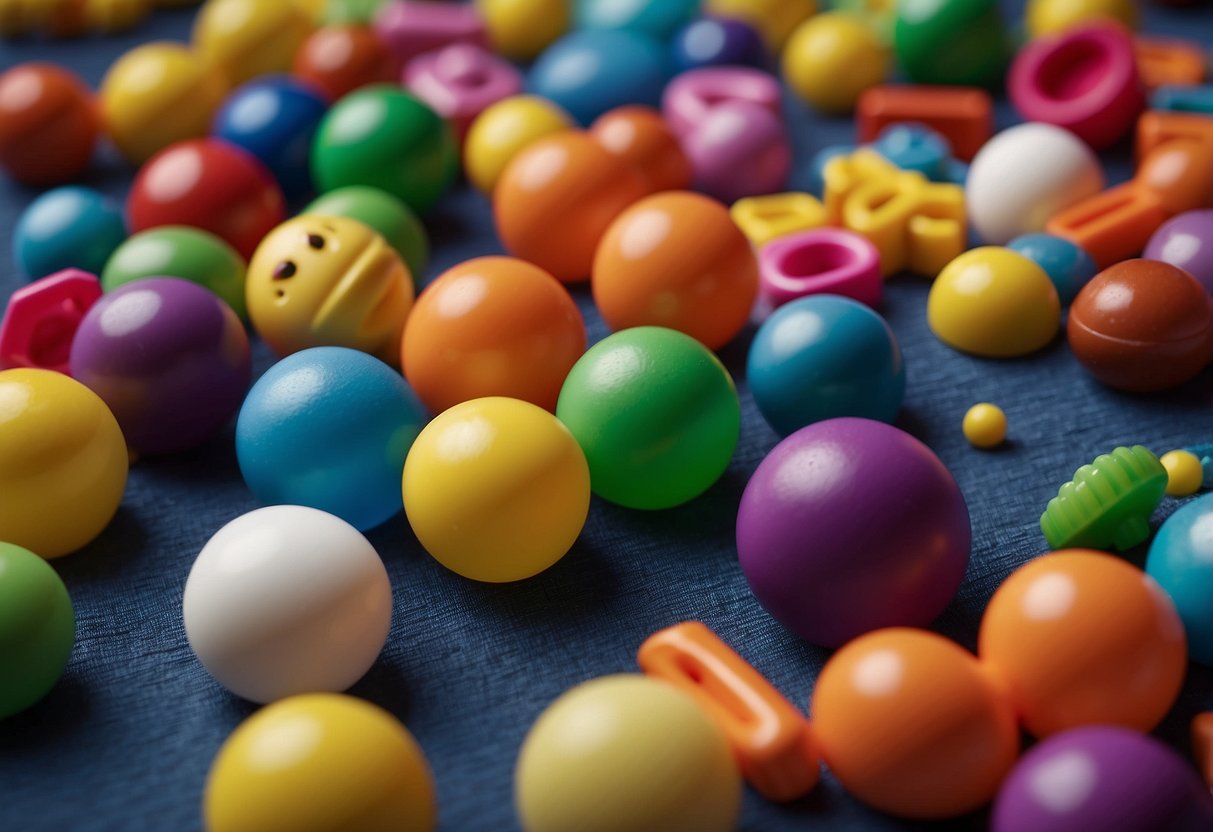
(774, 20)
(502, 130)
(63, 462)
(626, 754)
(1050, 17)
(114, 15)
(320, 762)
(985, 425)
(994, 303)
(496, 489)
(521, 29)
(247, 38)
(1184, 473)
(831, 58)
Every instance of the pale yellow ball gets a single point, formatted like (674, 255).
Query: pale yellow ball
(521, 29)
(1184, 473)
(985, 425)
(831, 58)
(504, 129)
(1051, 17)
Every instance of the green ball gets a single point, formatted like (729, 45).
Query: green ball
(384, 213)
(656, 414)
(951, 42)
(179, 251)
(37, 628)
(343, 12)
(385, 138)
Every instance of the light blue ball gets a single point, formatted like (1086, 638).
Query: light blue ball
(656, 18)
(1067, 265)
(65, 228)
(1181, 560)
(329, 428)
(821, 357)
(915, 147)
(592, 71)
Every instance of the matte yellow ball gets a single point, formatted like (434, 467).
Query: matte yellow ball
(504, 129)
(1184, 473)
(626, 754)
(521, 29)
(320, 762)
(831, 58)
(1050, 17)
(774, 20)
(985, 425)
(496, 489)
(244, 39)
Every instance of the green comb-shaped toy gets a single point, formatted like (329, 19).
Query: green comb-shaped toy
(1107, 503)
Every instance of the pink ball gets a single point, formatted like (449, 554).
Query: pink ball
(739, 149)
(692, 96)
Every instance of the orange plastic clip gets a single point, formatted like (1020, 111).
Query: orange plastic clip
(965, 115)
(1202, 745)
(1163, 62)
(1113, 225)
(1155, 127)
(773, 742)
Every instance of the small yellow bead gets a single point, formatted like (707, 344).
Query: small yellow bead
(985, 425)
(502, 130)
(1184, 473)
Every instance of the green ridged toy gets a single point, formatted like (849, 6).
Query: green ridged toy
(1107, 503)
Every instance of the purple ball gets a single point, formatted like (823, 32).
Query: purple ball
(739, 149)
(850, 525)
(1102, 778)
(716, 41)
(169, 358)
(1186, 241)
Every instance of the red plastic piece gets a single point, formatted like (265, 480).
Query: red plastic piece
(965, 115)
(41, 319)
(48, 124)
(1168, 62)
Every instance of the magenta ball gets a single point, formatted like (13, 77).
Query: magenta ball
(169, 358)
(739, 149)
(1186, 241)
(1104, 778)
(850, 525)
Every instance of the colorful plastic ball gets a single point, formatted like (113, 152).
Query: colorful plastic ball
(1067, 265)
(556, 199)
(169, 358)
(773, 19)
(336, 60)
(492, 326)
(1186, 241)
(658, 20)
(1102, 777)
(690, 98)
(916, 147)
(211, 185)
(461, 80)
(328, 281)
(179, 251)
(740, 149)
(521, 29)
(1184, 473)
(37, 628)
(63, 462)
(985, 425)
(591, 71)
(68, 227)
(1177, 173)
(677, 260)
(244, 39)
(1181, 560)
(342, 12)
(822, 357)
(908, 723)
(275, 119)
(502, 130)
(385, 138)
(158, 94)
(716, 41)
(656, 414)
(957, 42)
(48, 124)
(652, 762)
(294, 445)
(641, 136)
(360, 762)
(412, 28)
(884, 551)
(1052, 17)
(383, 213)
(994, 303)
(496, 489)
(1079, 637)
(831, 58)
(286, 600)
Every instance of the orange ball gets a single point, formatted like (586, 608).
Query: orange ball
(1180, 173)
(492, 326)
(640, 135)
(48, 124)
(676, 259)
(908, 723)
(556, 198)
(1080, 638)
(339, 59)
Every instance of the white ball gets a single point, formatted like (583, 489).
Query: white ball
(1025, 175)
(286, 600)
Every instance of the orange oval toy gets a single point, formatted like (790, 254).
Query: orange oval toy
(641, 136)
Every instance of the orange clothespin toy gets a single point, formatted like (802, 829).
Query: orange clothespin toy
(1166, 62)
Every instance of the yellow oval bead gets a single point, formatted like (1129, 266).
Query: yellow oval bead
(1184, 473)
(985, 425)
(504, 129)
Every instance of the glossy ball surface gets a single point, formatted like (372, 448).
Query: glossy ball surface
(716, 41)
(1052, 17)
(884, 552)
(1186, 241)
(68, 227)
(361, 767)
(294, 445)
(831, 58)
(522, 29)
(394, 221)
(48, 124)
(1067, 265)
(496, 489)
(658, 20)
(985, 425)
(461, 80)
(1184, 473)
(739, 149)
(773, 19)
(244, 39)
(63, 462)
(641, 136)
(657, 763)
(286, 600)
(37, 628)
(1181, 560)
(336, 60)
(502, 130)
(957, 42)
(822, 357)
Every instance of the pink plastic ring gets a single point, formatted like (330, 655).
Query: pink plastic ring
(42, 318)
(692, 96)
(1085, 80)
(820, 261)
(460, 81)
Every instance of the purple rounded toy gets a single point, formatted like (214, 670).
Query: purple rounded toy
(692, 96)
(850, 525)
(740, 149)
(716, 41)
(1186, 241)
(169, 358)
(1102, 778)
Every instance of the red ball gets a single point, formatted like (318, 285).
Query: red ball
(207, 184)
(340, 59)
(48, 124)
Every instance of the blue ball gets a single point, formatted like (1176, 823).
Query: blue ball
(329, 428)
(275, 119)
(590, 72)
(716, 41)
(1067, 265)
(656, 18)
(1181, 560)
(915, 147)
(67, 228)
(821, 357)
